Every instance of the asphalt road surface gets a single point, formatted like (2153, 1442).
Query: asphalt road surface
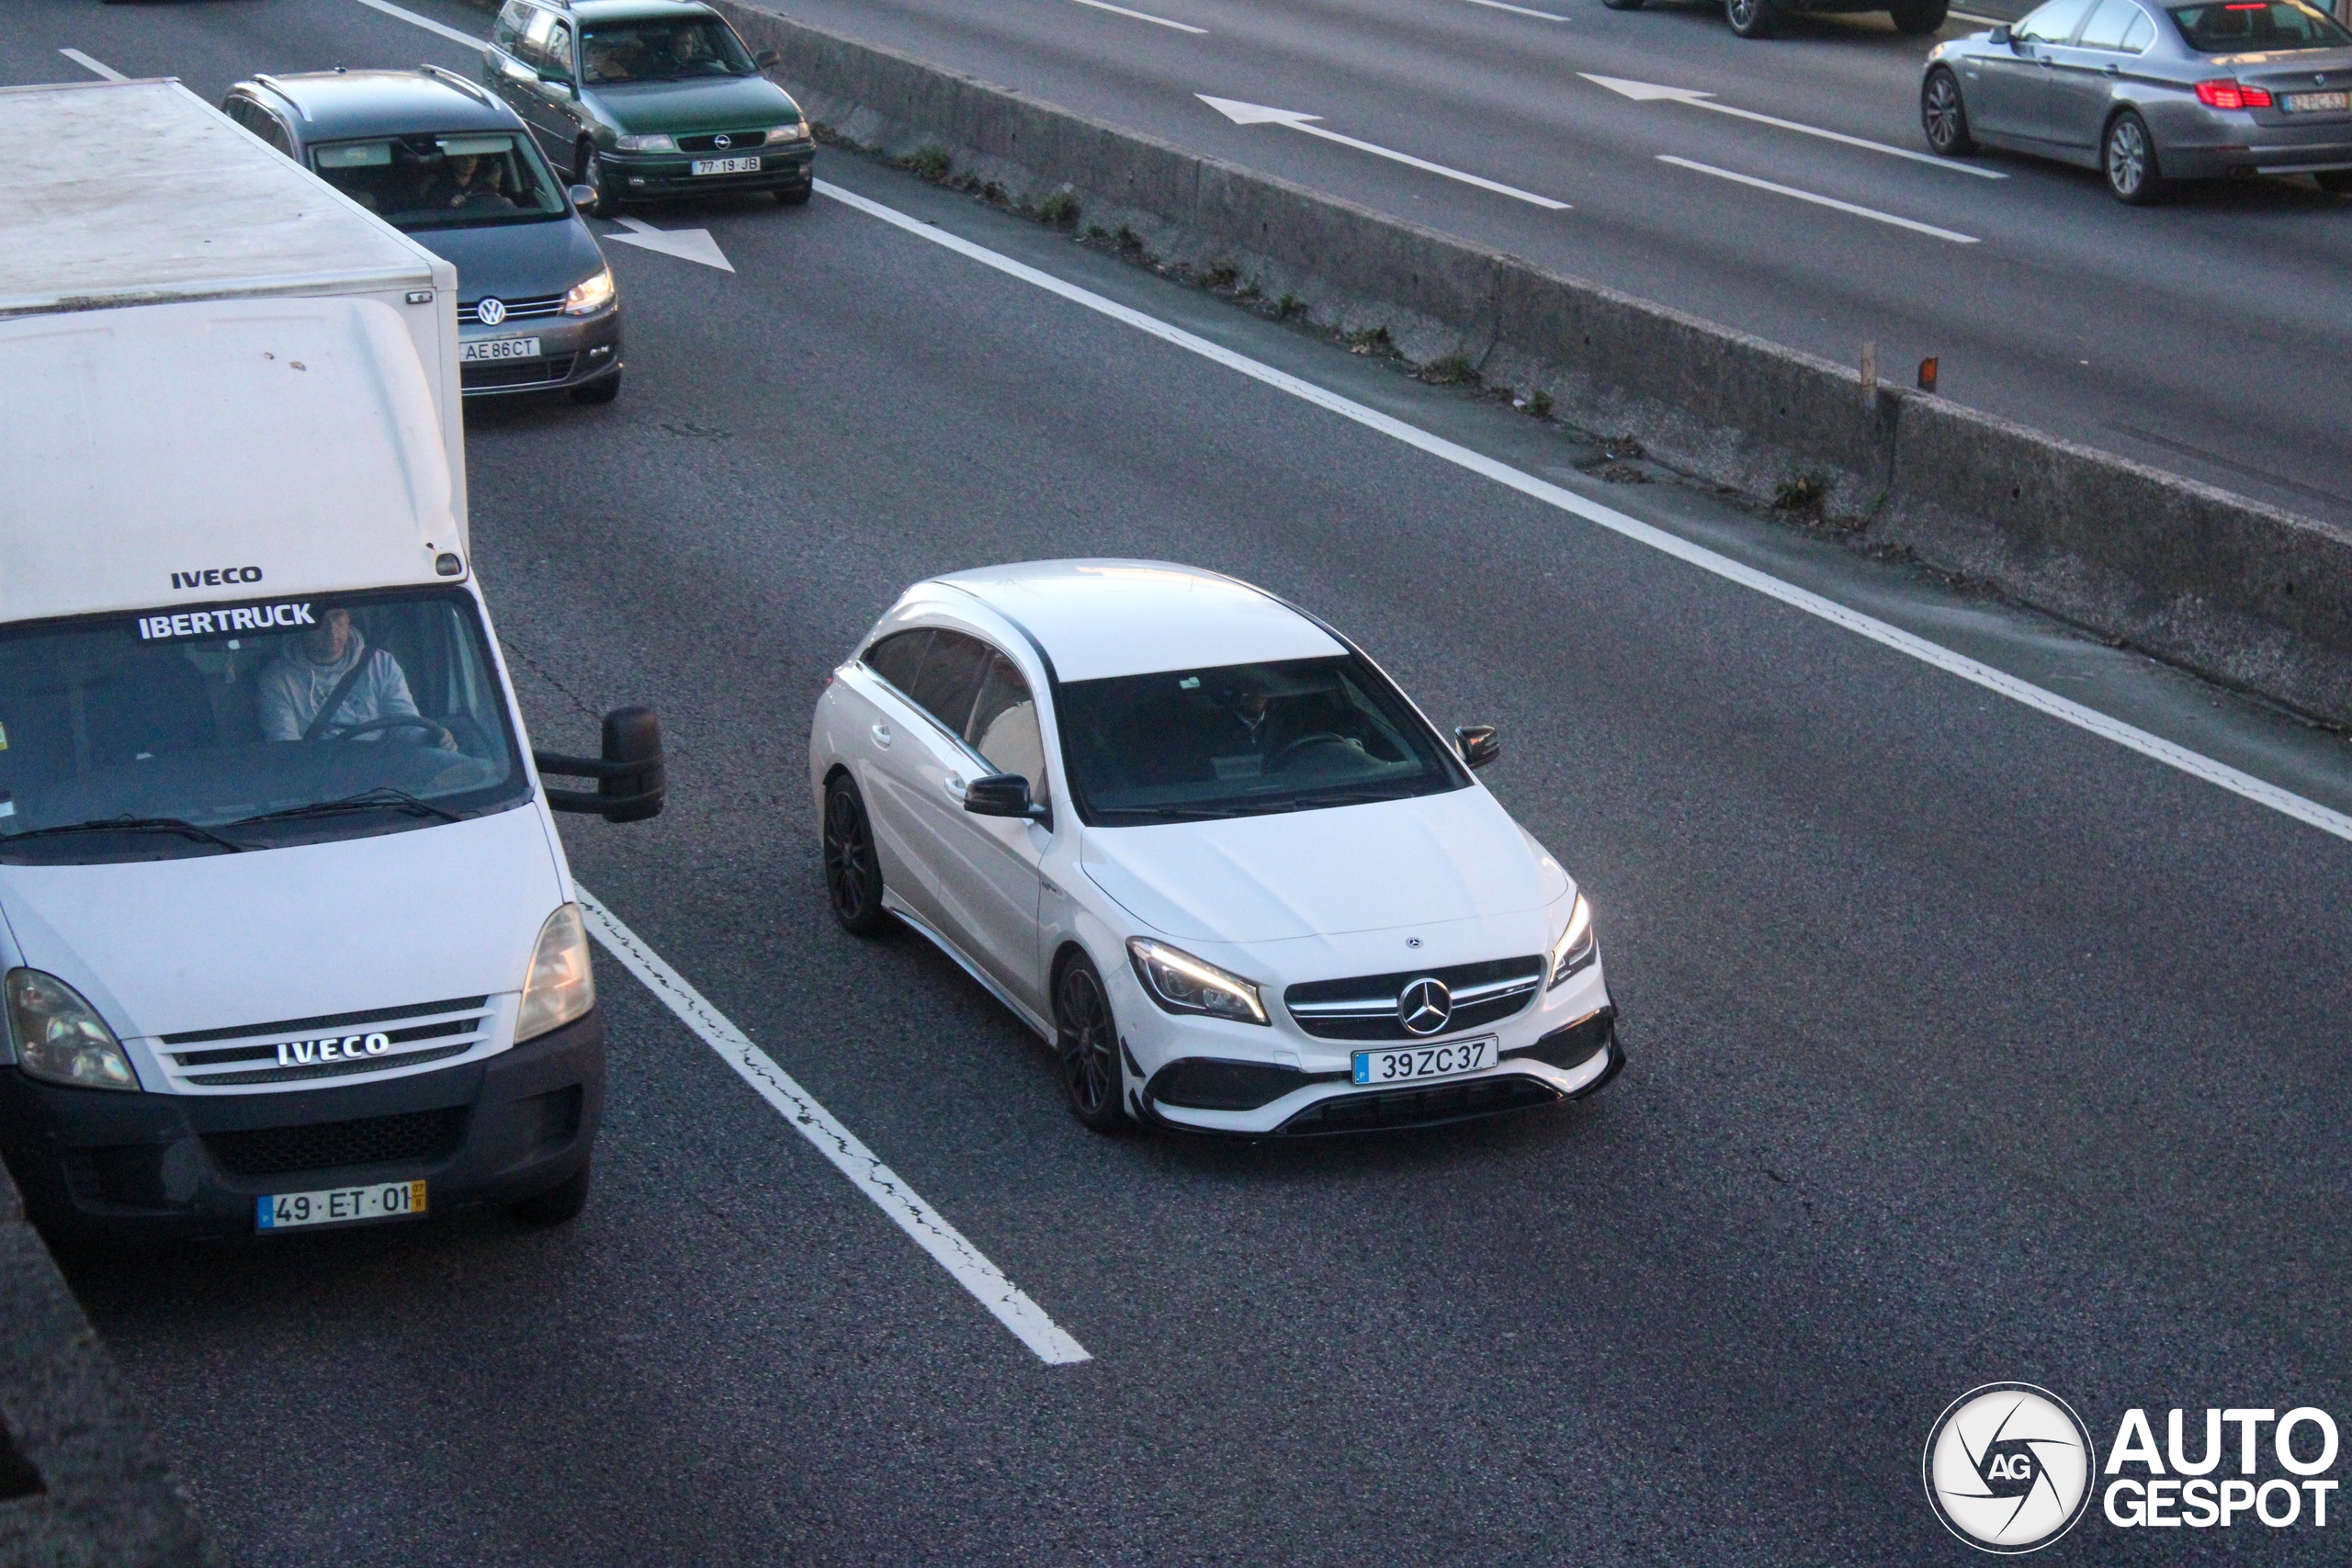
(2209, 337)
(1967, 1045)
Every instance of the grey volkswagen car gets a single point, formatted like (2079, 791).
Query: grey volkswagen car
(2147, 93)
(439, 158)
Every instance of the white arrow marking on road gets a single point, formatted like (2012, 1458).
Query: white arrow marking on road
(687, 245)
(1144, 16)
(1258, 114)
(94, 67)
(1870, 212)
(1650, 93)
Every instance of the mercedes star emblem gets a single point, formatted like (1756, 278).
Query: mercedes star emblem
(1425, 1007)
(490, 311)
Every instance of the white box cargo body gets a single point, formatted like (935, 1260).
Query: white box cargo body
(287, 937)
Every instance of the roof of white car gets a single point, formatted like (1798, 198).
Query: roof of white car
(1099, 619)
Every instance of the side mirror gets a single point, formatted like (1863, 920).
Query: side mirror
(582, 197)
(768, 59)
(556, 78)
(1478, 744)
(1003, 795)
(631, 778)
(2002, 35)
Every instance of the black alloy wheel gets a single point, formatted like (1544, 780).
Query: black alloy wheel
(1944, 117)
(1087, 1040)
(2128, 158)
(1917, 18)
(1751, 19)
(853, 871)
(590, 171)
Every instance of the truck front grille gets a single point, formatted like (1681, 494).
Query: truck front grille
(297, 1048)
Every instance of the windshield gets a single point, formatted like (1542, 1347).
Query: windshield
(157, 734)
(2250, 27)
(661, 51)
(1299, 735)
(444, 182)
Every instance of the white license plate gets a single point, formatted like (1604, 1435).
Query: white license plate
(2318, 103)
(339, 1205)
(1408, 1063)
(501, 349)
(727, 165)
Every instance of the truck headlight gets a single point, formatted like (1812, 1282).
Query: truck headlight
(796, 132)
(590, 295)
(1577, 946)
(1181, 983)
(560, 987)
(61, 1038)
(644, 143)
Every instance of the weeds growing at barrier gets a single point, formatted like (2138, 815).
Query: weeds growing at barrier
(928, 161)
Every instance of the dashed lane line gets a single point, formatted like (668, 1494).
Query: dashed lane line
(2000, 682)
(1873, 214)
(1143, 16)
(427, 23)
(1517, 10)
(929, 1229)
(96, 68)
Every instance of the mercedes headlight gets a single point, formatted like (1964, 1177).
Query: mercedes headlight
(1181, 983)
(1577, 946)
(61, 1038)
(646, 143)
(559, 987)
(590, 295)
(796, 132)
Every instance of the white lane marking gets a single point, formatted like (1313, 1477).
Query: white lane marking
(1871, 213)
(95, 68)
(1651, 92)
(864, 1168)
(427, 23)
(1519, 10)
(1143, 16)
(687, 245)
(2170, 753)
(1241, 113)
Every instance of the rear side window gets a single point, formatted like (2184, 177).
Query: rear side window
(898, 657)
(2053, 23)
(950, 678)
(2110, 24)
(262, 123)
(2252, 27)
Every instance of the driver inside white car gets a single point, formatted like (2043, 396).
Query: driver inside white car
(332, 663)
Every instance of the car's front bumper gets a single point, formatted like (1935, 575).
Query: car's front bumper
(573, 352)
(132, 1168)
(668, 176)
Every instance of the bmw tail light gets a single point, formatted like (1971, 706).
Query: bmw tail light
(2224, 94)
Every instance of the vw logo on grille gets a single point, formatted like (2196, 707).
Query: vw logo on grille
(1425, 1006)
(722, 142)
(490, 311)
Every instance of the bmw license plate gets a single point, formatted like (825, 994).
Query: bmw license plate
(339, 1205)
(1409, 1063)
(727, 165)
(2318, 103)
(500, 348)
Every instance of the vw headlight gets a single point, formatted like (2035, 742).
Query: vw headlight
(796, 132)
(61, 1038)
(1181, 983)
(590, 295)
(559, 987)
(646, 143)
(1577, 946)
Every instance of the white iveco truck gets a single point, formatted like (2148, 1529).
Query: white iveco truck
(287, 937)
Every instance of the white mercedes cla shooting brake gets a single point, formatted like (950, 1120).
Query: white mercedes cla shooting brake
(1197, 840)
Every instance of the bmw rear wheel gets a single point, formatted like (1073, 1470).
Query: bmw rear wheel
(1751, 19)
(853, 871)
(1086, 1039)
(2128, 157)
(1944, 117)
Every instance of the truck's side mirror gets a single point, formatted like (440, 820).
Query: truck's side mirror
(631, 779)
(1003, 795)
(1478, 744)
(768, 59)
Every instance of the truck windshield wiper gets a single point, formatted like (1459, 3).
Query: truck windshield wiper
(382, 798)
(179, 825)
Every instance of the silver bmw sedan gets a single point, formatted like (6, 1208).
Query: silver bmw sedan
(2148, 93)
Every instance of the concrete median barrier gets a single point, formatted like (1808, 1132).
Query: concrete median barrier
(2234, 589)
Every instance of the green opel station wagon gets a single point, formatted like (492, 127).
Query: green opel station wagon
(648, 100)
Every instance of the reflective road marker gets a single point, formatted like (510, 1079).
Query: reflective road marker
(1873, 214)
(2171, 754)
(864, 1168)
